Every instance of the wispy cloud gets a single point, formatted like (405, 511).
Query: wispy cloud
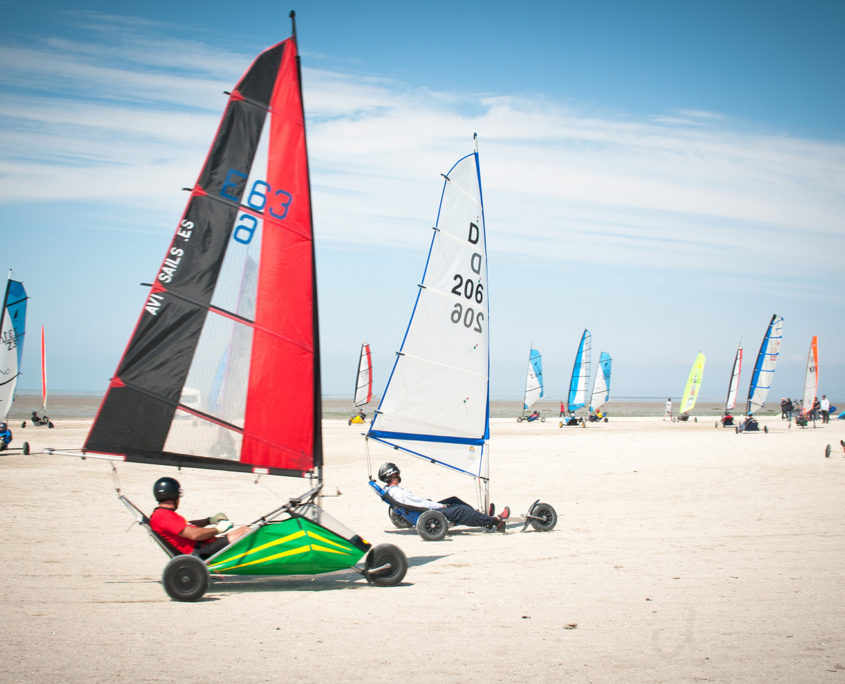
(133, 119)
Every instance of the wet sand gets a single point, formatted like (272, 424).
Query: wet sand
(683, 552)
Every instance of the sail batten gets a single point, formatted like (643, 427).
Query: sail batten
(227, 344)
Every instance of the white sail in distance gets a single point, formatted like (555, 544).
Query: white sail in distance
(533, 380)
(601, 384)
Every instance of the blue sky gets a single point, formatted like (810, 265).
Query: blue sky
(665, 174)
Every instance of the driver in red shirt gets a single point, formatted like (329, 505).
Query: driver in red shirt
(198, 537)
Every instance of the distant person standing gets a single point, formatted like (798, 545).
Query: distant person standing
(825, 408)
(562, 409)
(668, 413)
(783, 409)
(789, 408)
(816, 406)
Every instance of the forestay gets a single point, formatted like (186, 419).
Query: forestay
(764, 368)
(435, 405)
(222, 370)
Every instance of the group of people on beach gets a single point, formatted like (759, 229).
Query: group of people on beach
(819, 410)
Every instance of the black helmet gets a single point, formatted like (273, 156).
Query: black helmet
(387, 471)
(166, 489)
(3, 426)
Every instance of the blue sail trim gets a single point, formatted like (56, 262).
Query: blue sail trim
(760, 374)
(414, 437)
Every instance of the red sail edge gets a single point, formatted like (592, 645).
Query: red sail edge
(286, 298)
(277, 428)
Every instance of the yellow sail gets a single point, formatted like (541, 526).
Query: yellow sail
(693, 384)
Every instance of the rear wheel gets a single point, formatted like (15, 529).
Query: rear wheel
(185, 578)
(543, 517)
(398, 520)
(26, 448)
(827, 451)
(542, 420)
(766, 429)
(393, 561)
(519, 419)
(432, 525)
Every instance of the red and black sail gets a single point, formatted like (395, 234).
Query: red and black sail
(222, 370)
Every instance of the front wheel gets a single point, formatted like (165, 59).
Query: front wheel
(185, 578)
(386, 565)
(543, 517)
(432, 525)
(542, 420)
(398, 520)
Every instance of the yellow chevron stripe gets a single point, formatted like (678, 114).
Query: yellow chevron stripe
(311, 533)
(267, 559)
(280, 540)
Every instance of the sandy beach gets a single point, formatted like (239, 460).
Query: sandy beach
(683, 553)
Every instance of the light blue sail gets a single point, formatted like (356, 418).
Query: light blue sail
(534, 380)
(12, 329)
(580, 373)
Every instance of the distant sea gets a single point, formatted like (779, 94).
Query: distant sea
(84, 405)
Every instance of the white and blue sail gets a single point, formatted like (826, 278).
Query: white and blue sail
(533, 380)
(764, 368)
(580, 379)
(436, 402)
(12, 329)
(601, 384)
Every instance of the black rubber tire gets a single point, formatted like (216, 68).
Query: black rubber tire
(23, 424)
(25, 449)
(386, 553)
(547, 515)
(398, 520)
(605, 420)
(50, 424)
(542, 420)
(766, 429)
(432, 525)
(827, 451)
(519, 420)
(736, 429)
(185, 578)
